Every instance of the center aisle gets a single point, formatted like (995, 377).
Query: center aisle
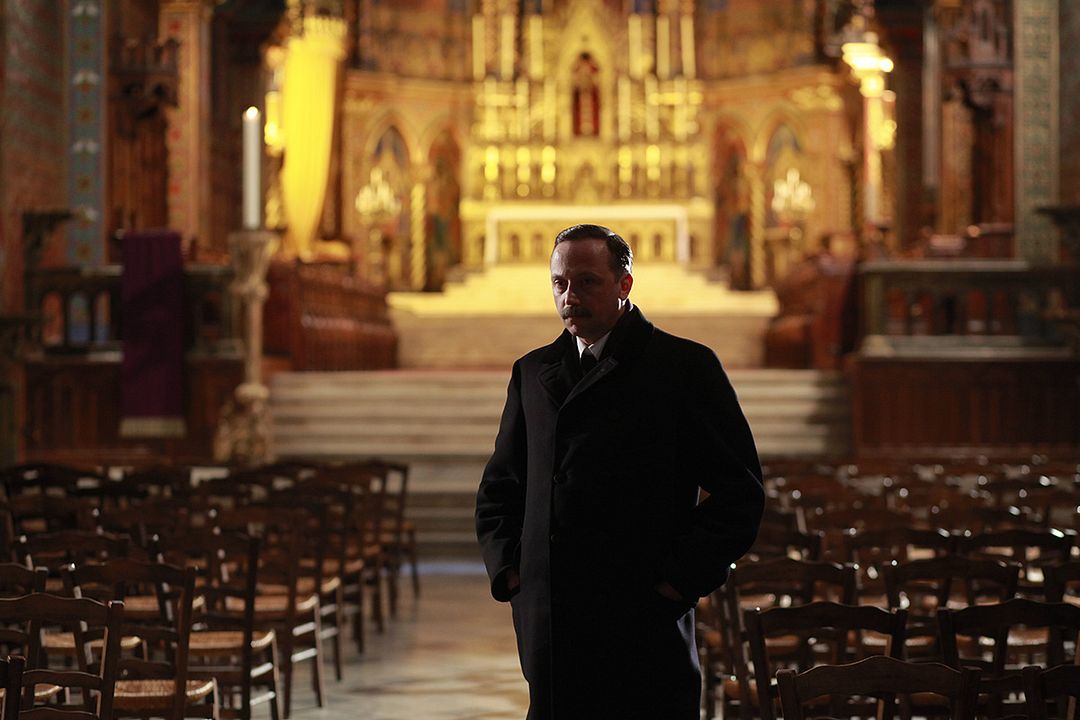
(449, 656)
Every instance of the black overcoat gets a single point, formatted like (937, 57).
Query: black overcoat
(592, 496)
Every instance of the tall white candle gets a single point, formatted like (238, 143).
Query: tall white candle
(252, 169)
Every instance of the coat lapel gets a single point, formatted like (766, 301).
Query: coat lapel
(559, 373)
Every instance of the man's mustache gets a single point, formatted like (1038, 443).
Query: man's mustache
(578, 312)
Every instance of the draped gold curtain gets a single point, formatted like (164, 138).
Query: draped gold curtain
(309, 94)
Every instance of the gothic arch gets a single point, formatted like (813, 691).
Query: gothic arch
(378, 127)
(441, 124)
(779, 116)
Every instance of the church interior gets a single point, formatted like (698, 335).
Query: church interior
(288, 250)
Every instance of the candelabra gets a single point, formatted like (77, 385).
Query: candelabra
(243, 433)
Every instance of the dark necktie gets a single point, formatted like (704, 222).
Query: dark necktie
(588, 361)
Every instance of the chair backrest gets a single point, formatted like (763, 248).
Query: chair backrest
(395, 484)
(1030, 548)
(142, 522)
(41, 513)
(836, 625)
(939, 579)
(56, 550)
(882, 677)
(1060, 684)
(45, 478)
(167, 635)
(797, 581)
(870, 550)
(776, 541)
(17, 580)
(995, 621)
(280, 532)
(21, 621)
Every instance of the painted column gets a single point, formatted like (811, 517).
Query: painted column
(755, 173)
(418, 241)
(87, 122)
(1037, 129)
(188, 137)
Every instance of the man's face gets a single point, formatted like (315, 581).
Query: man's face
(588, 295)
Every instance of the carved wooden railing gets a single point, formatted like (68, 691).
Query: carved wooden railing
(79, 309)
(925, 306)
(73, 373)
(966, 358)
(322, 318)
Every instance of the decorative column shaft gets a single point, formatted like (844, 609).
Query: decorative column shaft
(188, 139)
(1037, 128)
(86, 123)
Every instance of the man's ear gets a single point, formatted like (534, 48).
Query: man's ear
(625, 284)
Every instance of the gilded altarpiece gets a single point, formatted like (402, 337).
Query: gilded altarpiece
(591, 111)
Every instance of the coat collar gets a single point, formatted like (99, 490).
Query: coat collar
(559, 362)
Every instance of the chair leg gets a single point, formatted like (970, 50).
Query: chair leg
(358, 618)
(317, 683)
(413, 564)
(376, 601)
(339, 622)
(393, 572)
(285, 654)
(275, 681)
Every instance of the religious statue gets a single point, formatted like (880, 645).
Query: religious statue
(586, 97)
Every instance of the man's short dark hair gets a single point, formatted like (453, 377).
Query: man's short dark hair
(622, 257)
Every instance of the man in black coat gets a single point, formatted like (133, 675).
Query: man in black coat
(588, 512)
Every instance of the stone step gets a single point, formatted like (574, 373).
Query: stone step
(443, 424)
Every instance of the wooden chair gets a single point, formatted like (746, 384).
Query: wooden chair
(397, 533)
(365, 554)
(1059, 684)
(226, 643)
(872, 549)
(765, 584)
(838, 626)
(323, 563)
(54, 551)
(882, 677)
(1030, 548)
(997, 623)
(924, 587)
(11, 672)
(46, 691)
(287, 602)
(155, 683)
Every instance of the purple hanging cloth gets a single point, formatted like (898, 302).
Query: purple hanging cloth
(152, 328)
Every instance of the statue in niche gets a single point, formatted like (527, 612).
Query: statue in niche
(586, 96)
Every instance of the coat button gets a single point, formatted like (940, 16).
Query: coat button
(559, 478)
(552, 538)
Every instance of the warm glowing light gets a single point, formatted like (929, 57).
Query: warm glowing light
(491, 164)
(310, 92)
(377, 201)
(793, 200)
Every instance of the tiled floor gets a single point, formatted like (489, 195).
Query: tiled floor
(449, 656)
